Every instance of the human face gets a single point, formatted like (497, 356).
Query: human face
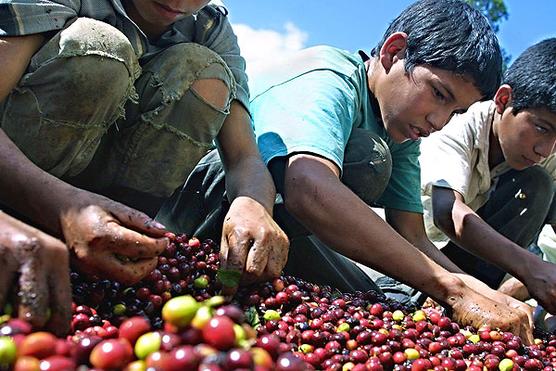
(526, 138)
(415, 104)
(155, 16)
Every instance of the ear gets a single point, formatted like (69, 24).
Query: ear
(393, 49)
(503, 98)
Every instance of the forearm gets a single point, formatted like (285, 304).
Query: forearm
(250, 178)
(246, 174)
(341, 220)
(410, 225)
(476, 236)
(430, 250)
(29, 190)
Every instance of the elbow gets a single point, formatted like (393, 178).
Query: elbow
(442, 220)
(300, 194)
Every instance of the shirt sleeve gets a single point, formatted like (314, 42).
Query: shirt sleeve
(313, 113)
(214, 31)
(403, 190)
(550, 165)
(26, 17)
(446, 157)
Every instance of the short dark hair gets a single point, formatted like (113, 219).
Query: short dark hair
(532, 77)
(453, 36)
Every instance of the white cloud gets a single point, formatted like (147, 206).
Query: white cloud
(263, 48)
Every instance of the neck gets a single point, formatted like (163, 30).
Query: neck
(152, 31)
(371, 82)
(371, 75)
(495, 155)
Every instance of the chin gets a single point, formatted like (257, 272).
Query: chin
(518, 165)
(396, 136)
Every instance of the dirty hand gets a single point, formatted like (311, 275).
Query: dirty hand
(252, 242)
(498, 296)
(541, 284)
(37, 266)
(477, 310)
(112, 240)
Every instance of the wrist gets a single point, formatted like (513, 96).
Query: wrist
(529, 262)
(450, 289)
(53, 201)
(250, 203)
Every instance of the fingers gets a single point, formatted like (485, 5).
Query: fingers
(107, 265)
(7, 274)
(131, 244)
(526, 333)
(33, 291)
(60, 292)
(236, 252)
(257, 258)
(277, 260)
(233, 254)
(137, 220)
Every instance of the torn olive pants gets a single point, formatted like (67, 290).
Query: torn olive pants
(88, 111)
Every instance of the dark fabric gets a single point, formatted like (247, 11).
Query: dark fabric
(199, 207)
(517, 209)
(367, 165)
(311, 260)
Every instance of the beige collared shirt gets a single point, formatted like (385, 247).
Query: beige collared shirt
(457, 157)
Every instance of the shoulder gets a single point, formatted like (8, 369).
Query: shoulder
(215, 10)
(335, 59)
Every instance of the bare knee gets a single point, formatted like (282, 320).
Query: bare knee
(214, 91)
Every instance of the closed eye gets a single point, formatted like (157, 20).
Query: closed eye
(541, 129)
(438, 94)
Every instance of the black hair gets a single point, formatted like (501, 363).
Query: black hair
(453, 36)
(532, 77)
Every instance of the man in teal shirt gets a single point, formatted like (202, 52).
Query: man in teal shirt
(321, 96)
(339, 132)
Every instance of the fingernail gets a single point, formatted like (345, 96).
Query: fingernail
(157, 225)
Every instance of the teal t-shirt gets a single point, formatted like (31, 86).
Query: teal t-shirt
(312, 102)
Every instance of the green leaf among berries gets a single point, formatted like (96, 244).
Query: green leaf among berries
(228, 278)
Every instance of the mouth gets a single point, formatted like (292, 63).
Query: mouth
(169, 9)
(529, 162)
(416, 132)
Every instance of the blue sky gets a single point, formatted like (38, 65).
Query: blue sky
(358, 24)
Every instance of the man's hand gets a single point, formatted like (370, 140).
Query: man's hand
(498, 296)
(252, 242)
(112, 240)
(541, 284)
(515, 288)
(482, 305)
(43, 285)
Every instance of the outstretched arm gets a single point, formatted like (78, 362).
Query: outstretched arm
(472, 233)
(412, 227)
(316, 197)
(251, 241)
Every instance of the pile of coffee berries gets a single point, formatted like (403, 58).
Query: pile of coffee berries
(175, 320)
(187, 266)
(206, 335)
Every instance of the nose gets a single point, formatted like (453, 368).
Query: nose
(438, 119)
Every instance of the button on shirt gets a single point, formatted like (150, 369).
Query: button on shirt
(209, 27)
